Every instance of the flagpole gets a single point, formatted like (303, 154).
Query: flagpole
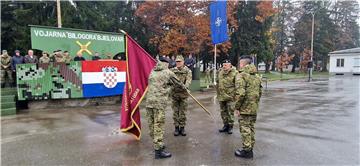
(58, 13)
(214, 70)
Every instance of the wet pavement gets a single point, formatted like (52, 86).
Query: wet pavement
(299, 123)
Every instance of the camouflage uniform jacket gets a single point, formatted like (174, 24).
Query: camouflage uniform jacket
(58, 58)
(226, 84)
(248, 90)
(185, 76)
(44, 59)
(159, 86)
(67, 59)
(5, 62)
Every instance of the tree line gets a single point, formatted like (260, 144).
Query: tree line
(278, 32)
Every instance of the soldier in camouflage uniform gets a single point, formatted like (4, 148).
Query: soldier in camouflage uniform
(160, 82)
(44, 58)
(6, 68)
(226, 95)
(248, 93)
(179, 95)
(57, 56)
(66, 57)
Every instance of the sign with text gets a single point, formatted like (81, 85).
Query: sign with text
(77, 41)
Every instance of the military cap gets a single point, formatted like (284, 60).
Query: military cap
(164, 59)
(17, 51)
(226, 61)
(246, 57)
(179, 58)
(4, 51)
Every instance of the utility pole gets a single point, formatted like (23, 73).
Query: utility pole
(214, 70)
(312, 47)
(58, 13)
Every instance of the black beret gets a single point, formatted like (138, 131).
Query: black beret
(246, 57)
(226, 61)
(164, 59)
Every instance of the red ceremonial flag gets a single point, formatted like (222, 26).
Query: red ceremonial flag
(139, 66)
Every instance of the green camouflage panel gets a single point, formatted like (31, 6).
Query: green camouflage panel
(180, 108)
(227, 112)
(226, 84)
(247, 131)
(156, 120)
(159, 86)
(248, 90)
(49, 81)
(184, 75)
(44, 59)
(6, 68)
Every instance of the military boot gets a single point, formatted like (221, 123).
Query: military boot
(224, 129)
(229, 130)
(176, 132)
(182, 131)
(248, 154)
(159, 154)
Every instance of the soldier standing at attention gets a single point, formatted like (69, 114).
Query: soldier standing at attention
(66, 56)
(45, 58)
(226, 95)
(179, 95)
(160, 82)
(6, 68)
(248, 93)
(58, 57)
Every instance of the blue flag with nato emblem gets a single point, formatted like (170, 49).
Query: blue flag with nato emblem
(218, 22)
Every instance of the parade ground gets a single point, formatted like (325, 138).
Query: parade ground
(299, 123)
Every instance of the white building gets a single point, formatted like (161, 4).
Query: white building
(345, 61)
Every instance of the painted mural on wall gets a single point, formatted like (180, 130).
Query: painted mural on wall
(66, 81)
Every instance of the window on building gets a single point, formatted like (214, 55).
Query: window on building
(339, 62)
(356, 62)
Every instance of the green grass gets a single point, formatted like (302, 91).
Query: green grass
(274, 76)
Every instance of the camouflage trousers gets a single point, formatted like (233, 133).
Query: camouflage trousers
(156, 120)
(179, 107)
(207, 78)
(247, 131)
(7, 73)
(227, 112)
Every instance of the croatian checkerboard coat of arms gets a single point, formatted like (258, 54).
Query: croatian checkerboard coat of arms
(109, 75)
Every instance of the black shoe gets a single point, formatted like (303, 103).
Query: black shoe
(244, 154)
(229, 130)
(182, 131)
(163, 147)
(224, 129)
(176, 132)
(160, 154)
